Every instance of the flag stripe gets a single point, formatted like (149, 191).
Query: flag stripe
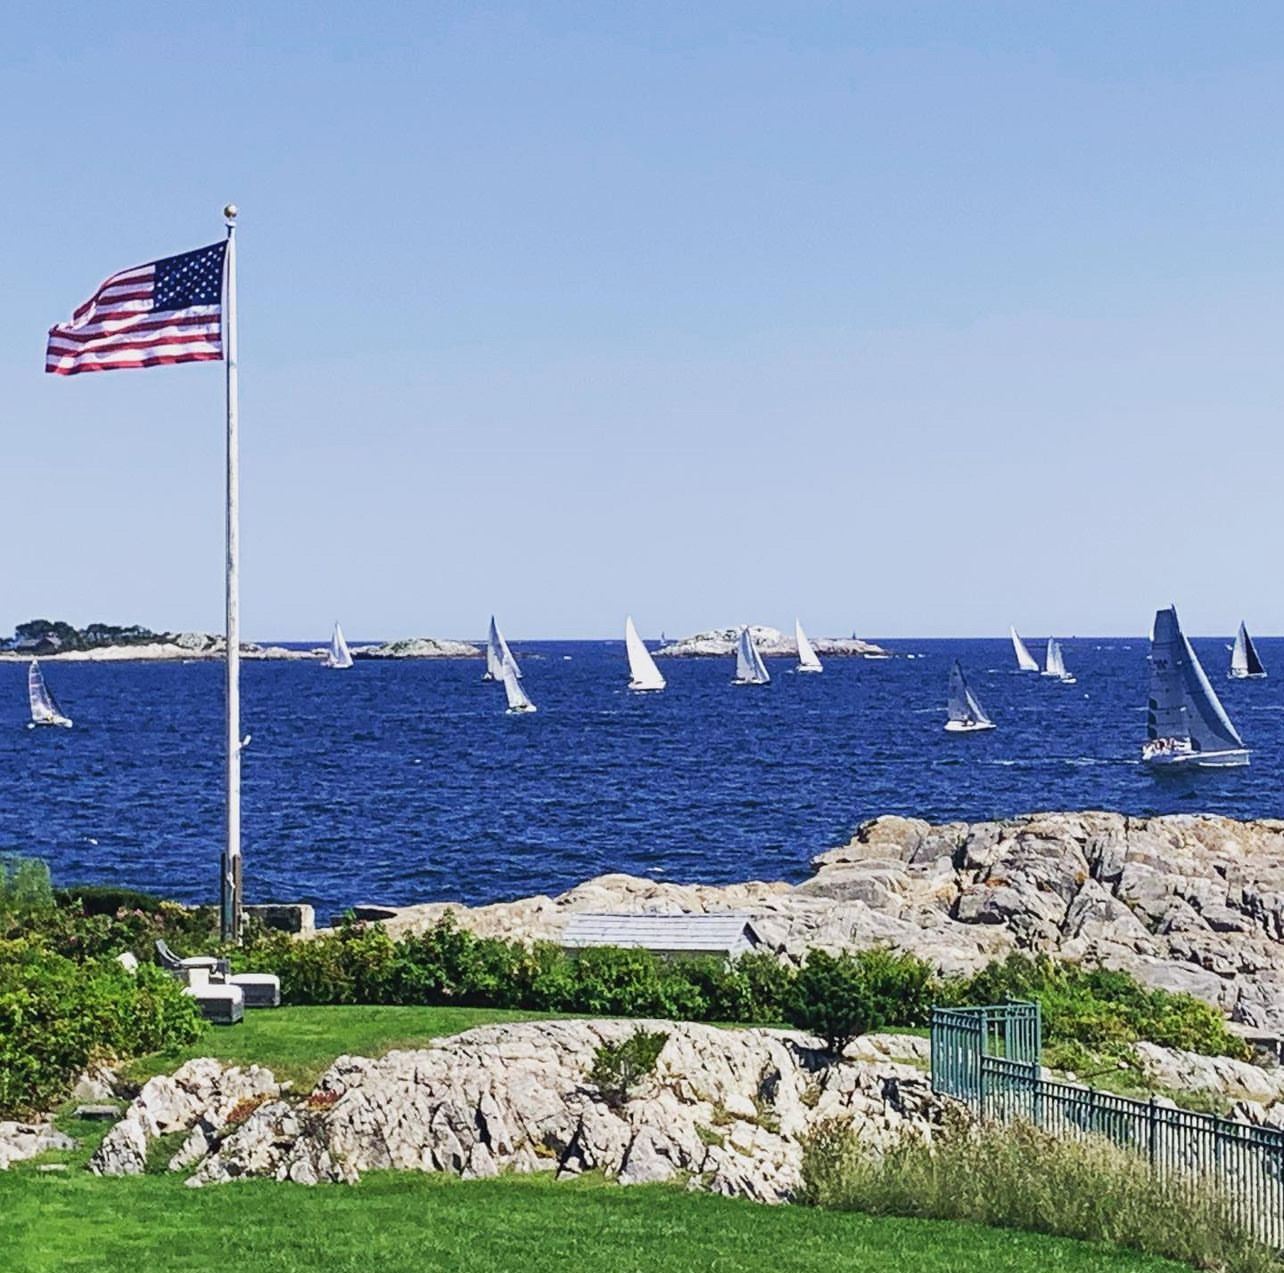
(125, 325)
(168, 311)
(63, 369)
(157, 340)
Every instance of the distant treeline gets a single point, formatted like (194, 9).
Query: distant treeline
(52, 636)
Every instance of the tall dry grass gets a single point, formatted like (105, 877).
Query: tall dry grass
(1016, 1176)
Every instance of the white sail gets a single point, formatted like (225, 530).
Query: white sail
(1054, 663)
(1185, 720)
(1025, 660)
(643, 673)
(964, 709)
(807, 660)
(517, 699)
(338, 655)
(44, 707)
(497, 652)
(1244, 660)
(750, 669)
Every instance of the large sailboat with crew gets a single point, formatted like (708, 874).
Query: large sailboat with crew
(1186, 724)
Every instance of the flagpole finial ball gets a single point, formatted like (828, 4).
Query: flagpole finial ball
(230, 212)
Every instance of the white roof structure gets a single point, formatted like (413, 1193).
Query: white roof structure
(727, 934)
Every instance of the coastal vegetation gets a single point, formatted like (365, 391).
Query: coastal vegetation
(1016, 1176)
(57, 958)
(53, 636)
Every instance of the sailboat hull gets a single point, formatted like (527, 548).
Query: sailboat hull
(968, 727)
(520, 711)
(640, 687)
(60, 723)
(1247, 676)
(805, 667)
(741, 681)
(1183, 761)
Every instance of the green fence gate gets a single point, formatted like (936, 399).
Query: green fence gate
(988, 1058)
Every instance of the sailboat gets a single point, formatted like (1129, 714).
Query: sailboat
(1054, 664)
(497, 654)
(643, 673)
(338, 655)
(1025, 660)
(1186, 725)
(518, 702)
(807, 660)
(1244, 660)
(966, 715)
(750, 669)
(44, 707)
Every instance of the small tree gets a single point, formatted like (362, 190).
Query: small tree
(831, 997)
(618, 1068)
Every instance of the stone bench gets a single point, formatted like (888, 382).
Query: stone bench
(221, 1004)
(260, 989)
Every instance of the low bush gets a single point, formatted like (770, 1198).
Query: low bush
(58, 1017)
(1097, 1011)
(620, 1068)
(1018, 1177)
(833, 998)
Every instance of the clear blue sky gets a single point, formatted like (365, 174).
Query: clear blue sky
(908, 318)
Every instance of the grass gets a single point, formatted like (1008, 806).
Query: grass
(299, 1043)
(76, 1223)
(400, 1223)
(1017, 1176)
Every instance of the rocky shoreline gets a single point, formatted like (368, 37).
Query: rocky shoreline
(187, 646)
(1185, 902)
(770, 642)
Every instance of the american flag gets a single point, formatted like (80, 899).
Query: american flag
(164, 312)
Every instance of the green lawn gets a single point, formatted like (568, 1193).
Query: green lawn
(395, 1223)
(299, 1043)
(390, 1223)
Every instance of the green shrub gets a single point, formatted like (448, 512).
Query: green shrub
(107, 899)
(619, 1068)
(902, 986)
(25, 889)
(1102, 1011)
(58, 1017)
(831, 997)
(1018, 1177)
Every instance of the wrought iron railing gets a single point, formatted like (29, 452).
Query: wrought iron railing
(988, 1058)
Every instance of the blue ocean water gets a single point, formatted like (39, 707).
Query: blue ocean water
(404, 781)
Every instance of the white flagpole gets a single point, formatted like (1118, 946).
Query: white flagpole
(231, 888)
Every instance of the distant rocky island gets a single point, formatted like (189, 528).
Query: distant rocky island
(769, 641)
(106, 642)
